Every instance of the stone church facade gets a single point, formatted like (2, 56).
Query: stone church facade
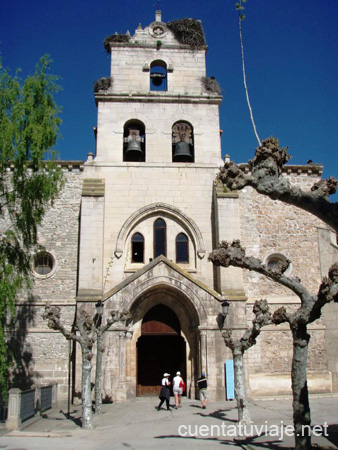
(133, 228)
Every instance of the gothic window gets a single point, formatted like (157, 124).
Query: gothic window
(137, 248)
(158, 76)
(183, 142)
(134, 148)
(160, 238)
(182, 248)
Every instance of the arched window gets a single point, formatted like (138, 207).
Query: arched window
(134, 141)
(160, 238)
(183, 142)
(182, 248)
(137, 248)
(158, 76)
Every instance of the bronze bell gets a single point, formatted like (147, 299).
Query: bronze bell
(134, 151)
(182, 152)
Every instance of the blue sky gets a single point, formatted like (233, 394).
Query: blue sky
(291, 50)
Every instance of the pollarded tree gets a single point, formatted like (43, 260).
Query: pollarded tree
(86, 338)
(29, 182)
(238, 347)
(88, 330)
(309, 311)
(115, 317)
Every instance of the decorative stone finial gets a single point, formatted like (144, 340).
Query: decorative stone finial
(158, 16)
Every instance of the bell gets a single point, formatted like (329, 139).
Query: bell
(134, 151)
(182, 152)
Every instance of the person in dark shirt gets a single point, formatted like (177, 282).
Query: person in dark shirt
(165, 392)
(202, 384)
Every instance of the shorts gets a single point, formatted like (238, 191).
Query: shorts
(177, 390)
(204, 394)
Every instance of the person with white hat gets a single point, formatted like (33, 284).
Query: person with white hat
(165, 391)
(178, 385)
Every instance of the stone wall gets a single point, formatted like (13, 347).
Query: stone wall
(42, 353)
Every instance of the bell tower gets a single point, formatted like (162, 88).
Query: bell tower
(159, 107)
(158, 150)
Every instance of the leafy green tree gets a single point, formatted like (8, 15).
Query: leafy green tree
(29, 181)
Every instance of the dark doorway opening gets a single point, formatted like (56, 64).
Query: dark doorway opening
(159, 349)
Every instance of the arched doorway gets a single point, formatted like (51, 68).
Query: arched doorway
(160, 348)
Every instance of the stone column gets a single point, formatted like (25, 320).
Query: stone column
(122, 387)
(13, 421)
(130, 384)
(204, 361)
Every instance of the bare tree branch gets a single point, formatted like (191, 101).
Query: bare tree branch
(52, 314)
(266, 178)
(116, 316)
(234, 255)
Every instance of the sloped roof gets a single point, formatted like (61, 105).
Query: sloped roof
(161, 259)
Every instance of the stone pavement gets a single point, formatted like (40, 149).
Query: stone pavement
(138, 425)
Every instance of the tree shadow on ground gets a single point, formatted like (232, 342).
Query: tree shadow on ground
(220, 414)
(245, 444)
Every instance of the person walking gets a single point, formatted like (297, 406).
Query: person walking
(165, 391)
(202, 384)
(178, 385)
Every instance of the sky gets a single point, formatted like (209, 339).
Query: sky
(291, 55)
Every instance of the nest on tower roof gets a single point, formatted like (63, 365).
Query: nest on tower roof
(103, 84)
(115, 38)
(211, 85)
(188, 32)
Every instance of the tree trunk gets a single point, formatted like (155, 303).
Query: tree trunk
(87, 417)
(240, 391)
(301, 408)
(98, 374)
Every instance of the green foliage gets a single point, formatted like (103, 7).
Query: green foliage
(29, 181)
(240, 8)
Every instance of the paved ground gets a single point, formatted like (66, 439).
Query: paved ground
(139, 426)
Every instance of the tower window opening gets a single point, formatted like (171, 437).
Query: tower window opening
(134, 149)
(158, 76)
(182, 142)
(137, 248)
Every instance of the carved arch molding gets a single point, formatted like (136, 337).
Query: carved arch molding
(159, 208)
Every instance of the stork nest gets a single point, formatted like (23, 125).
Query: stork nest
(188, 32)
(103, 84)
(211, 85)
(115, 38)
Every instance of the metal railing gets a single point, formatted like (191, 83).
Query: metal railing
(46, 398)
(22, 405)
(27, 407)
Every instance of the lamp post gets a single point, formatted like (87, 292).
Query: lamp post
(99, 351)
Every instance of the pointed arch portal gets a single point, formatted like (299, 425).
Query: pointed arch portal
(160, 348)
